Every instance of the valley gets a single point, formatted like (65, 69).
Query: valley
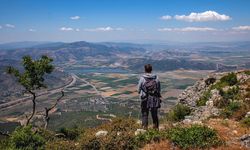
(100, 80)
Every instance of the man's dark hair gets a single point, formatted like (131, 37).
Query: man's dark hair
(148, 68)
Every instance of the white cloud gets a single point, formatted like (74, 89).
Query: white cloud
(242, 28)
(66, 29)
(105, 29)
(75, 17)
(204, 16)
(77, 30)
(9, 25)
(166, 17)
(188, 29)
(32, 30)
(1, 27)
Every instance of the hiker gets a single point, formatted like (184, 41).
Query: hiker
(149, 89)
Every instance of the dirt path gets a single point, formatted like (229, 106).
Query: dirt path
(88, 83)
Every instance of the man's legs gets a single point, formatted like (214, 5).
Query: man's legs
(144, 112)
(154, 113)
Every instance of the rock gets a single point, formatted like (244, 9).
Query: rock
(210, 80)
(101, 133)
(187, 121)
(118, 133)
(139, 131)
(245, 140)
(210, 103)
(248, 114)
(197, 122)
(235, 132)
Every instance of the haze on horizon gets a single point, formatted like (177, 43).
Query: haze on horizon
(124, 20)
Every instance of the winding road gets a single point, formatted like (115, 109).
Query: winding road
(49, 92)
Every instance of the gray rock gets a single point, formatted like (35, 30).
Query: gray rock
(245, 140)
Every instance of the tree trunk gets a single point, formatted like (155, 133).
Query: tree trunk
(47, 110)
(33, 108)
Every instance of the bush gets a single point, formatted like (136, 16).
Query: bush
(5, 143)
(195, 136)
(71, 134)
(245, 122)
(178, 113)
(229, 110)
(121, 135)
(150, 135)
(205, 97)
(25, 138)
(247, 72)
(230, 79)
(231, 93)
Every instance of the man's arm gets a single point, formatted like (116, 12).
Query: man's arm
(140, 85)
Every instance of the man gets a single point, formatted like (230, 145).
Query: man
(150, 93)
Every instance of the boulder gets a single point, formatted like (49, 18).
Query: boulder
(101, 133)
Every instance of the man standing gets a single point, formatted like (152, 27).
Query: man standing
(150, 93)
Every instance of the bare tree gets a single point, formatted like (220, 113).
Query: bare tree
(47, 110)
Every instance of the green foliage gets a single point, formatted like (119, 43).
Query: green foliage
(195, 136)
(230, 79)
(245, 122)
(231, 93)
(120, 136)
(150, 135)
(247, 72)
(34, 70)
(5, 143)
(71, 134)
(230, 109)
(178, 113)
(25, 138)
(227, 80)
(205, 97)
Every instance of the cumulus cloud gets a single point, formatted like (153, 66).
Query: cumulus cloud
(9, 25)
(203, 16)
(77, 30)
(1, 27)
(105, 29)
(188, 29)
(75, 17)
(242, 28)
(66, 29)
(32, 30)
(166, 17)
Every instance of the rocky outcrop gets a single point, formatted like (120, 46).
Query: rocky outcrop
(192, 94)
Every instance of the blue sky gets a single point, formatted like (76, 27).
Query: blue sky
(124, 20)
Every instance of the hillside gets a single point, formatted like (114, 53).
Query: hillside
(214, 113)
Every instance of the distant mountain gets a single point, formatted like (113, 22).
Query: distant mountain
(25, 44)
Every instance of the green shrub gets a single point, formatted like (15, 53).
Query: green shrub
(247, 72)
(25, 138)
(230, 79)
(70, 134)
(195, 136)
(245, 122)
(121, 135)
(230, 109)
(231, 93)
(5, 143)
(150, 135)
(178, 113)
(205, 97)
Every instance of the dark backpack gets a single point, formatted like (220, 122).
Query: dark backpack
(150, 87)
